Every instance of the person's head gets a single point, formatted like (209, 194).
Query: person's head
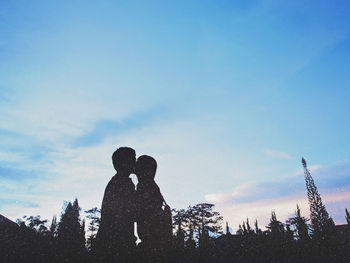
(124, 159)
(146, 167)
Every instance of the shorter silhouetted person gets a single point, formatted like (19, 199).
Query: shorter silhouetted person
(152, 218)
(115, 239)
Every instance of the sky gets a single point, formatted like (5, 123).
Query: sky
(227, 96)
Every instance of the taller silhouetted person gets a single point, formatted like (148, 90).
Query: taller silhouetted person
(115, 239)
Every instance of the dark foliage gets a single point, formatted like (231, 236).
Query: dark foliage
(71, 234)
(94, 215)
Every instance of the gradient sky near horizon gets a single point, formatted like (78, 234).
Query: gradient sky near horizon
(226, 95)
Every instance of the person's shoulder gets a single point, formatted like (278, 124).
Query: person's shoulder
(154, 184)
(154, 188)
(113, 182)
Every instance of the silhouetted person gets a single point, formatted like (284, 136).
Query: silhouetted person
(115, 239)
(150, 216)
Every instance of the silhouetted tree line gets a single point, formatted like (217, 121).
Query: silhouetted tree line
(36, 241)
(197, 236)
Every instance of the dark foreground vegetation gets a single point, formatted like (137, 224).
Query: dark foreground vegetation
(197, 237)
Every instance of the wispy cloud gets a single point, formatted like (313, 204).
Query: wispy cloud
(277, 154)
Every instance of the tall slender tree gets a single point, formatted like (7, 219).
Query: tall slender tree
(321, 224)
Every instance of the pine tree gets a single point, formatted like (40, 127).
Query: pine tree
(275, 227)
(289, 244)
(227, 229)
(275, 238)
(82, 239)
(94, 214)
(209, 221)
(240, 231)
(321, 224)
(244, 227)
(347, 217)
(301, 227)
(69, 233)
(257, 230)
(53, 226)
(249, 229)
(179, 223)
(66, 224)
(193, 225)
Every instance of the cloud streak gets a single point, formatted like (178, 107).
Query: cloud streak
(277, 154)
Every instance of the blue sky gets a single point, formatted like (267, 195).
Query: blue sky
(226, 96)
